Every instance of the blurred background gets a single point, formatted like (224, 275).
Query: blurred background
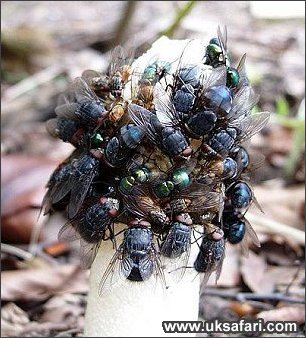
(45, 45)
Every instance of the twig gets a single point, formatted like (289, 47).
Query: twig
(12, 250)
(181, 14)
(32, 82)
(270, 226)
(295, 276)
(124, 22)
(244, 296)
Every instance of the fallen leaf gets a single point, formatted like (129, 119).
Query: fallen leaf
(287, 313)
(68, 307)
(24, 184)
(263, 278)
(281, 203)
(211, 308)
(23, 188)
(17, 228)
(39, 284)
(13, 319)
(278, 253)
(253, 270)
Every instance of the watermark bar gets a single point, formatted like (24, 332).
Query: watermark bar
(224, 326)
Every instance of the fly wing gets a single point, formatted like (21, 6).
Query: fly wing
(250, 237)
(83, 92)
(90, 74)
(243, 102)
(68, 233)
(120, 57)
(143, 118)
(79, 188)
(164, 107)
(222, 37)
(118, 270)
(88, 252)
(251, 125)
(243, 79)
(212, 77)
(63, 189)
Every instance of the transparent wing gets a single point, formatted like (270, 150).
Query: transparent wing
(222, 37)
(243, 79)
(250, 125)
(243, 102)
(51, 126)
(214, 266)
(158, 267)
(182, 62)
(118, 269)
(219, 267)
(82, 91)
(164, 107)
(67, 110)
(143, 118)
(204, 201)
(212, 77)
(132, 205)
(79, 188)
(68, 233)
(62, 189)
(88, 75)
(250, 237)
(120, 57)
(252, 234)
(139, 204)
(88, 252)
(68, 96)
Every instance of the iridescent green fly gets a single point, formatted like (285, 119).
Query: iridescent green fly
(155, 71)
(216, 55)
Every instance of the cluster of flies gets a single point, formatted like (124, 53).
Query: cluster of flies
(170, 162)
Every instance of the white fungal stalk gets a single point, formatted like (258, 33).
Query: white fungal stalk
(137, 309)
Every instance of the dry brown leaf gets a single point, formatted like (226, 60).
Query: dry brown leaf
(68, 307)
(285, 275)
(17, 228)
(278, 253)
(13, 319)
(253, 270)
(211, 308)
(287, 313)
(39, 284)
(262, 278)
(23, 187)
(282, 204)
(23, 182)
